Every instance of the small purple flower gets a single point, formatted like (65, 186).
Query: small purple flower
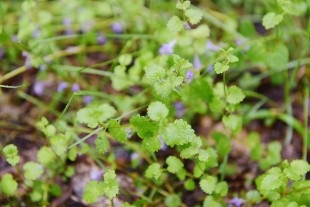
(36, 33)
(189, 76)
(42, 67)
(197, 64)
(87, 99)
(236, 202)
(68, 31)
(1, 52)
(38, 88)
(128, 132)
(210, 68)
(117, 27)
(167, 48)
(66, 21)
(75, 87)
(25, 53)
(28, 62)
(163, 146)
(62, 86)
(180, 109)
(210, 46)
(241, 42)
(186, 26)
(14, 38)
(95, 174)
(101, 39)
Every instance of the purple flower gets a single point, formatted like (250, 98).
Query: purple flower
(210, 46)
(163, 146)
(197, 64)
(75, 87)
(186, 26)
(68, 31)
(38, 88)
(179, 108)
(62, 86)
(167, 48)
(25, 53)
(36, 33)
(236, 202)
(95, 174)
(14, 38)
(1, 52)
(28, 62)
(117, 27)
(66, 21)
(42, 67)
(210, 68)
(101, 39)
(87, 99)
(189, 76)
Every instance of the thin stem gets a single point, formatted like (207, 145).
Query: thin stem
(306, 113)
(288, 106)
(85, 138)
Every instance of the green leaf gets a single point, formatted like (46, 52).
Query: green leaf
(202, 31)
(8, 185)
(152, 144)
(46, 156)
(102, 143)
(91, 192)
(157, 111)
(297, 169)
(201, 89)
(72, 154)
(194, 15)
(208, 184)
(183, 6)
(256, 148)
(178, 133)
(174, 24)
(233, 122)
(10, 153)
(220, 67)
(210, 201)
(153, 171)
(116, 131)
(173, 200)
(94, 115)
(110, 184)
(189, 184)
(253, 196)
(32, 170)
(235, 95)
(223, 143)
(144, 128)
(271, 20)
(125, 59)
(174, 164)
(155, 73)
(59, 144)
(271, 180)
(293, 7)
(221, 188)
(119, 79)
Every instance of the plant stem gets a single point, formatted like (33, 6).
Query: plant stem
(85, 137)
(306, 114)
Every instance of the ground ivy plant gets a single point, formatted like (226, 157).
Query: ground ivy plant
(161, 98)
